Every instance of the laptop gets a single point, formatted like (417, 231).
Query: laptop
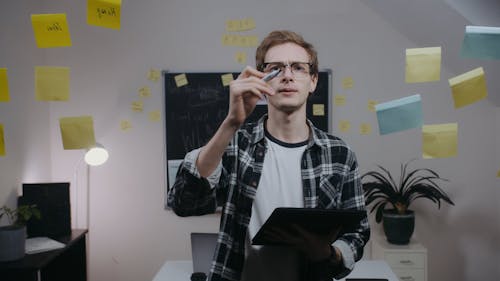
(202, 250)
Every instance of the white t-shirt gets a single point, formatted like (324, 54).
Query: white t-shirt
(280, 185)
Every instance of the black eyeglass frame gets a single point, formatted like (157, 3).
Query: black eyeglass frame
(265, 64)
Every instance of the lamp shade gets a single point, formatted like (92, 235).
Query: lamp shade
(96, 155)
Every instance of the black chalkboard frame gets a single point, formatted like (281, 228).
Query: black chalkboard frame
(194, 111)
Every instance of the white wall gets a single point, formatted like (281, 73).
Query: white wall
(131, 235)
(26, 130)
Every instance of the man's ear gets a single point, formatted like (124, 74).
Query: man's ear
(314, 83)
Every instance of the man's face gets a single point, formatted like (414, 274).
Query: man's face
(292, 88)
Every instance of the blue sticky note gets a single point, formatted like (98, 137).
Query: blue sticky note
(399, 115)
(481, 42)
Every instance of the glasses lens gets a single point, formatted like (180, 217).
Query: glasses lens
(300, 69)
(272, 66)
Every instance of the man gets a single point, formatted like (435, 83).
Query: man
(280, 161)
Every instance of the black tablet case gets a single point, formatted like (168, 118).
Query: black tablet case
(320, 221)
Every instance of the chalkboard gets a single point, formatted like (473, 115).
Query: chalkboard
(194, 111)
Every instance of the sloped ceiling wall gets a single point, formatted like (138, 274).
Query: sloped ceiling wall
(431, 23)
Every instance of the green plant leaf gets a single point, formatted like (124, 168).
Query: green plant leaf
(414, 184)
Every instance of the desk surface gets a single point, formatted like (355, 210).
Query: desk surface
(181, 270)
(39, 260)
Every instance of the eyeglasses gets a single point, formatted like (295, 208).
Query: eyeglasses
(298, 69)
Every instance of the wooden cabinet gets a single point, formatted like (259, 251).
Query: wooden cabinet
(409, 262)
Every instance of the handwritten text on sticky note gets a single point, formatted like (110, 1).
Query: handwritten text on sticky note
(51, 30)
(104, 13)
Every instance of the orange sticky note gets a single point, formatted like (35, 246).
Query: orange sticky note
(4, 86)
(77, 132)
(51, 30)
(105, 13)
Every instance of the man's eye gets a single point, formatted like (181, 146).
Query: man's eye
(274, 67)
(298, 67)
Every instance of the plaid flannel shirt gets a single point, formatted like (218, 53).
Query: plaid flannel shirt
(330, 180)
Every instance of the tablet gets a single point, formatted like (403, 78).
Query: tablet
(320, 221)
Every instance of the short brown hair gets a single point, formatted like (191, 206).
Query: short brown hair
(279, 37)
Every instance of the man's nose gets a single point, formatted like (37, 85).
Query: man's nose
(287, 71)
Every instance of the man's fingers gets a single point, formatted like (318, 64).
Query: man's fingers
(249, 71)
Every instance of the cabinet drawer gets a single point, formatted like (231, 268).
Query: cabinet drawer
(405, 260)
(410, 274)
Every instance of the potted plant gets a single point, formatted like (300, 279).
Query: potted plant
(398, 219)
(13, 235)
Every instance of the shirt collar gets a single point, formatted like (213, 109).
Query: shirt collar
(315, 139)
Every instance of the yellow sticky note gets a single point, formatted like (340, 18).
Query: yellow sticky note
(423, 64)
(154, 116)
(243, 41)
(226, 40)
(339, 100)
(233, 25)
(181, 80)
(226, 79)
(154, 75)
(365, 128)
(2, 141)
(347, 83)
(344, 126)
(51, 83)
(137, 106)
(439, 141)
(318, 110)
(498, 174)
(371, 105)
(105, 13)
(4, 86)
(468, 88)
(145, 92)
(125, 125)
(247, 24)
(77, 132)
(51, 30)
(241, 57)
(240, 25)
(252, 41)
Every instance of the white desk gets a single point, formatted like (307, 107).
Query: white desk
(181, 271)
